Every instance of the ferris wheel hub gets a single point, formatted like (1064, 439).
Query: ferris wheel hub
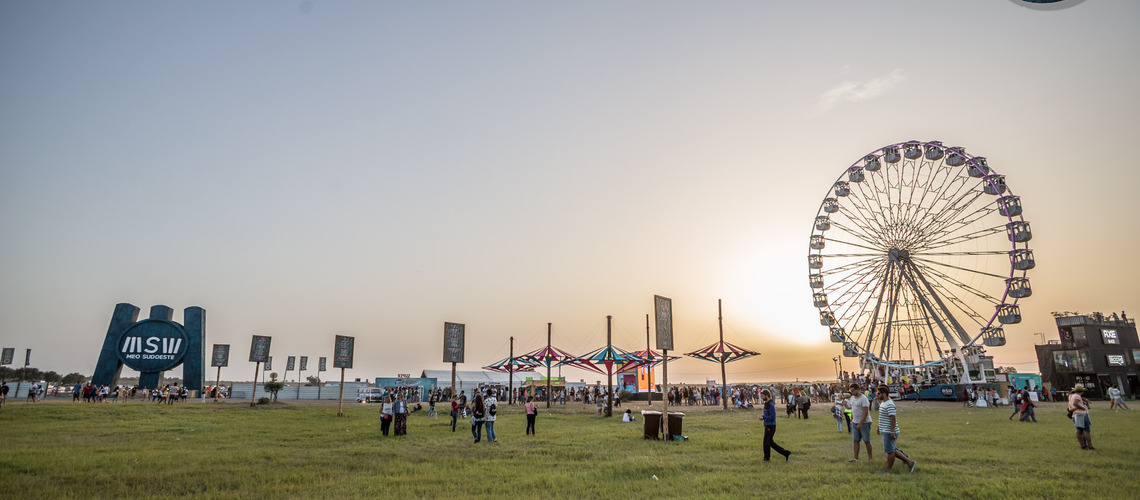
(897, 254)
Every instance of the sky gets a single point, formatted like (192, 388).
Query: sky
(306, 169)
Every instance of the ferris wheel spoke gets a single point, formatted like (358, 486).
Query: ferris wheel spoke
(945, 277)
(844, 307)
(959, 254)
(936, 210)
(951, 214)
(865, 231)
(960, 268)
(864, 247)
(853, 265)
(961, 223)
(981, 233)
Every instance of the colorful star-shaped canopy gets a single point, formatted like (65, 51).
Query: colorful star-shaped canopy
(609, 357)
(722, 351)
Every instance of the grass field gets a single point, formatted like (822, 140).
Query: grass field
(229, 450)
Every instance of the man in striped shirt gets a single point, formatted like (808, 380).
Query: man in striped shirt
(889, 429)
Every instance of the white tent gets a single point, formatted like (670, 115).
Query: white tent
(471, 380)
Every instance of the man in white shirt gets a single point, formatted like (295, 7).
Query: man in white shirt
(860, 421)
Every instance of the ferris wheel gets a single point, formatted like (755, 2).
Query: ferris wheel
(918, 256)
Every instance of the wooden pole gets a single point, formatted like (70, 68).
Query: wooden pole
(340, 403)
(548, 360)
(665, 394)
(511, 374)
(648, 368)
(609, 374)
(723, 376)
(298, 381)
(256, 370)
(217, 382)
(453, 395)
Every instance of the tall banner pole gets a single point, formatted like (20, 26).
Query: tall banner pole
(648, 369)
(609, 372)
(723, 377)
(548, 360)
(453, 395)
(665, 394)
(217, 382)
(298, 384)
(256, 370)
(511, 374)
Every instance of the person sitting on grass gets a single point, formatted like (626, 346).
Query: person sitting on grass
(628, 417)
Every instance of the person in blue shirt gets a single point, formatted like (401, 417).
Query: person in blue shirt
(770, 427)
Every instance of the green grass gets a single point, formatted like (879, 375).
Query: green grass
(229, 450)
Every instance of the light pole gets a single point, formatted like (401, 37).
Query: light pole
(835, 361)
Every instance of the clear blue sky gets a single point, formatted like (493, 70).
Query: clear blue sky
(306, 169)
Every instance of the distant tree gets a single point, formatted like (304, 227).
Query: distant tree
(273, 385)
(31, 373)
(8, 373)
(313, 380)
(73, 378)
(52, 377)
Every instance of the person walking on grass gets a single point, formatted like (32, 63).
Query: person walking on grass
(1015, 400)
(531, 413)
(477, 413)
(1079, 406)
(454, 413)
(889, 429)
(492, 406)
(860, 422)
(1116, 399)
(1027, 407)
(769, 417)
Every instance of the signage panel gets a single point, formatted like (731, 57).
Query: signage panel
(259, 350)
(453, 342)
(304, 363)
(663, 307)
(9, 353)
(290, 362)
(221, 355)
(342, 351)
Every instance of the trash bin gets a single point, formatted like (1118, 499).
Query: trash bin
(675, 428)
(652, 423)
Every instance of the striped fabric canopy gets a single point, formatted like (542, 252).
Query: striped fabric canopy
(609, 357)
(511, 365)
(547, 356)
(649, 359)
(722, 351)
